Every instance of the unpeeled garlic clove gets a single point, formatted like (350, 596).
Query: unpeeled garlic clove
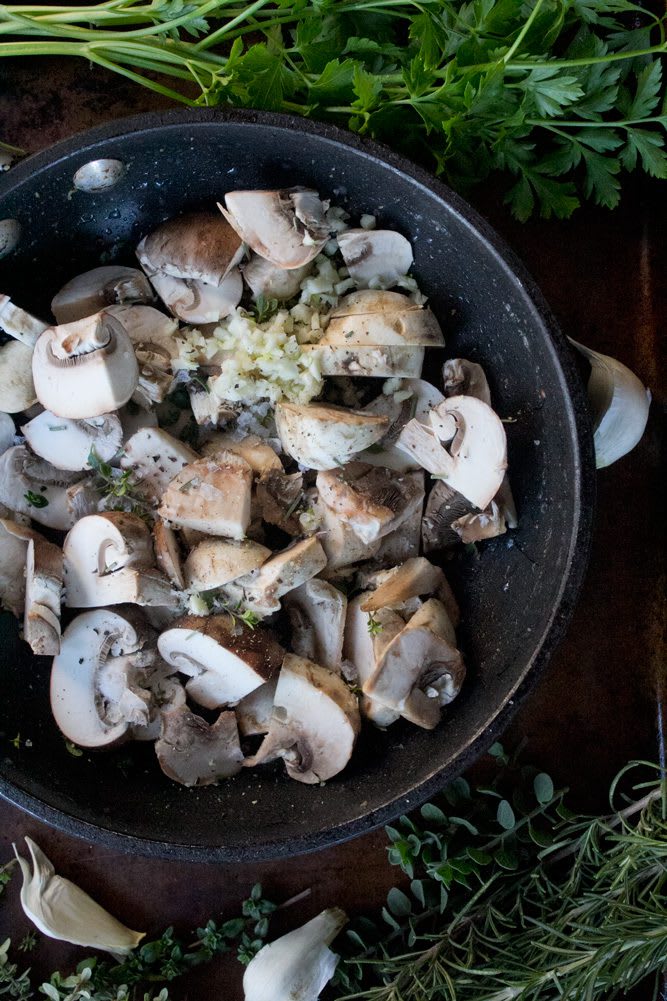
(61, 910)
(298, 966)
(619, 403)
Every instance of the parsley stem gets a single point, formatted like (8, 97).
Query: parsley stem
(208, 40)
(584, 123)
(524, 31)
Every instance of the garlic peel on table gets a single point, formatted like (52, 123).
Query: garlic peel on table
(619, 404)
(61, 910)
(298, 966)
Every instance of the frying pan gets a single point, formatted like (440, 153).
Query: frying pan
(516, 592)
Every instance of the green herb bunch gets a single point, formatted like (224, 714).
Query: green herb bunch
(562, 95)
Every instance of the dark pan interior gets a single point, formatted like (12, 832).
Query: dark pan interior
(516, 593)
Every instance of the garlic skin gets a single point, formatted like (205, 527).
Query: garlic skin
(298, 966)
(61, 910)
(619, 404)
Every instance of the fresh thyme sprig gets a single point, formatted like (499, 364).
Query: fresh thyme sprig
(562, 96)
(118, 486)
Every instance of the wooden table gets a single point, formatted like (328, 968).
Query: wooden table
(603, 274)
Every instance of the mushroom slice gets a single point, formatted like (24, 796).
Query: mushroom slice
(215, 562)
(443, 507)
(44, 582)
(379, 255)
(197, 302)
(414, 398)
(155, 458)
(373, 501)
(476, 527)
(420, 669)
(316, 612)
(18, 323)
(94, 290)
(109, 561)
(361, 648)
(14, 539)
(153, 337)
(476, 458)
(372, 361)
(211, 495)
(96, 683)
(253, 713)
(168, 553)
(370, 318)
(225, 659)
(265, 279)
(282, 573)
(67, 443)
(342, 546)
(413, 579)
(279, 496)
(322, 436)
(86, 368)
(7, 432)
(167, 693)
(314, 723)
(198, 245)
(465, 378)
(260, 457)
(404, 542)
(287, 227)
(207, 408)
(32, 487)
(17, 389)
(195, 754)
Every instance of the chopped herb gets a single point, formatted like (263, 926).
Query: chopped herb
(16, 742)
(57, 427)
(28, 942)
(294, 505)
(189, 484)
(264, 309)
(72, 749)
(374, 625)
(35, 500)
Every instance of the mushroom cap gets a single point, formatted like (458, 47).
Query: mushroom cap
(414, 399)
(67, 443)
(17, 389)
(265, 279)
(371, 318)
(198, 245)
(92, 673)
(225, 659)
(196, 301)
(18, 323)
(260, 457)
(465, 378)
(44, 581)
(443, 507)
(86, 368)
(377, 254)
(403, 542)
(314, 723)
(342, 546)
(278, 498)
(373, 501)
(282, 573)
(195, 754)
(316, 610)
(253, 712)
(415, 578)
(215, 562)
(155, 457)
(322, 436)
(211, 495)
(168, 553)
(480, 525)
(91, 291)
(14, 540)
(392, 361)
(283, 228)
(361, 649)
(22, 474)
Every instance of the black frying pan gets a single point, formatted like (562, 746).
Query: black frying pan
(517, 595)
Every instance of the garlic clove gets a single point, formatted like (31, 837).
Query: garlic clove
(61, 910)
(298, 966)
(619, 403)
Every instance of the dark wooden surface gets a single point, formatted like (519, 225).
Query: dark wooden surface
(603, 274)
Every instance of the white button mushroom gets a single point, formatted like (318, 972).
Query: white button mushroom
(31, 486)
(14, 539)
(415, 578)
(414, 398)
(322, 436)
(211, 495)
(17, 388)
(44, 583)
(67, 443)
(316, 611)
(365, 639)
(380, 256)
(265, 279)
(287, 228)
(18, 323)
(155, 457)
(372, 500)
(215, 562)
(197, 302)
(198, 245)
(194, 753)
(370, 318)
(92, 291)
(262, 589)
(153, 337)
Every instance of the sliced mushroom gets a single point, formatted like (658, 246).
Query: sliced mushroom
(316, 612)
(414, 399)
(373, 501)
(314, 723)
(287, 228)
(279, 496)
(207, 408)
(282, 573)
(94, 290)
(17, 389)
(224, 659)
(109, 560)
(211, 495)
(167, 693)
(96, 680)
(32, 487)
(253, 713)
(372, 361)
(14, 539)
(480, 525)
(18, 323)
(67, 443)
(44, 583)
(443, 507)
(153, 337)
(415, 578)
(215, 562)
(155, 458)
(197, 302)
(265, 279)
(198, 245)
(420, 669)
(86, 368)
(322, 436)
(7, 432)
(342, 546)
(195, 754)
(466, 378)
(404, 542)
(168, 553)
(260, 457)
(381, 256)
(361, 648)
(370, 318)
(476, 458)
